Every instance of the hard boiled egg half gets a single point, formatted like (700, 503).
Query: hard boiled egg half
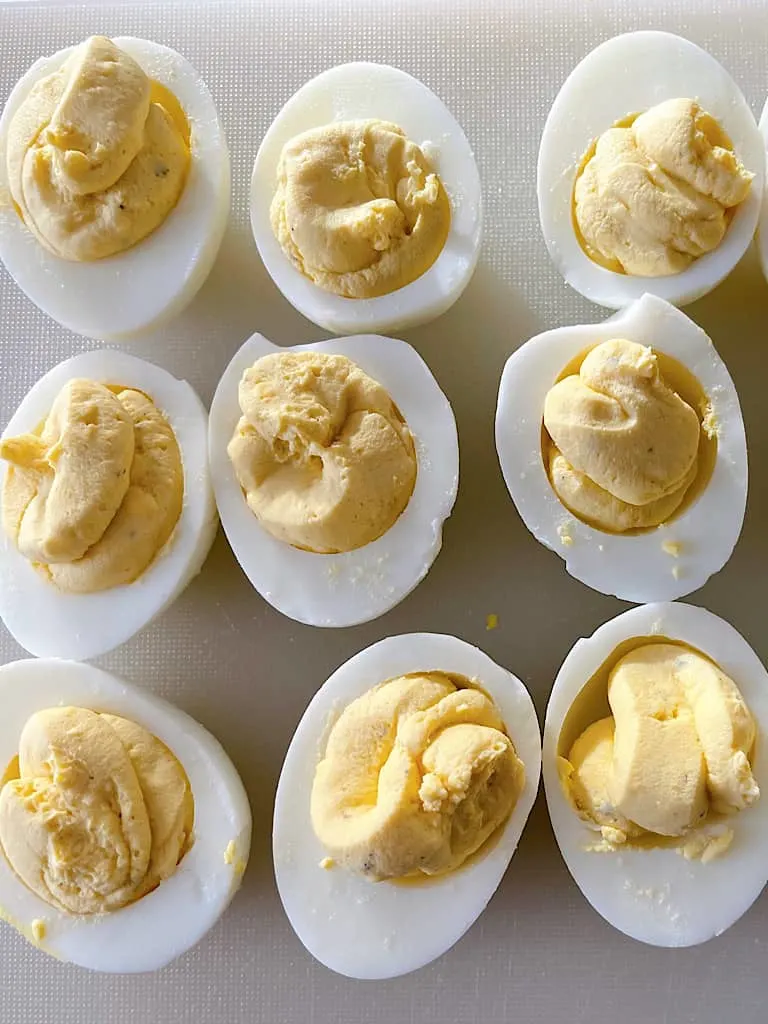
(660, 563)
(655, 894)
(762, 234)
(367, 929)
(363, 91)
(156, 928)
(138, 289)
(50, 622)
(354, 586)
(623, 76)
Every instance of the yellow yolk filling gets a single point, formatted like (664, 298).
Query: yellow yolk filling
(94, 497)
(97, 154)
(358, 208)
(417, 774)
(674, 753)
(321, 452)
(624, 445)
(99, 812)
(655, 192)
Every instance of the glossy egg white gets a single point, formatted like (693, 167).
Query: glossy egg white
(632, 567)
(656, 895)
(762, 231)
(355, 586)
(145, 286)
(48, 622)
(168, 921)
(624, 75)
(367, 929)
(355, 92)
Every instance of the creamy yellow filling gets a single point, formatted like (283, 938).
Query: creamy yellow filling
(655, 192)
(93, 498)
(417, 774)
(358, 208)
(95, 160)
(321, 452)
(624, 445)
(98, 812)
(674, 753)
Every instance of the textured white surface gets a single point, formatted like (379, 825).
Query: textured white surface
(539, 954)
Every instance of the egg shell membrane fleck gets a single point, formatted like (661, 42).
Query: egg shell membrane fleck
(145, 286)
(48, 622)
(372, 930)
(354, 586)
(165, 923)
(361, 91)
(656, 895)
(633, 568)
(762, 230)
(624, 75)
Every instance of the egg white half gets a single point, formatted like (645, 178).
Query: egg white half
(162, 925)
(369, 929)
(656, 895)
(48, 622)
(762, 231)
(355, 92)
(147, 285)
(355, 586)
(629, 74)
(632, 567)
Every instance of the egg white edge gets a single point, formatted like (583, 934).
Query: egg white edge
(655, 66)
(381, 930)
(762, 231)
(656, 896)
(88, 625)
(379, 93)
(634, 568)
(149, 933)
(124, 282)
(355, 586)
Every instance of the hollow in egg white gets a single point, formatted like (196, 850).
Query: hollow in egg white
(662, 563)
(625, 76)
(144, 286)
(46, 620)
(655, 894)
(353, 586)
(366, 929)
(362, 91)
(150, 932)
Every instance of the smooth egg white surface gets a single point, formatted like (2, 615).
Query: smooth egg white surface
(168, 921)
(147, 285)
(367, 929)
(762, 231)
(355, 92)
(656, 895)
(632, 567)
(48, 622)
(354, 586)
(627, 75)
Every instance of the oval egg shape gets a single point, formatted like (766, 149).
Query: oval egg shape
(354, 586)
(49, 622)
(660, 564)
(157, 928)
(655, 895)
(360, 91)
(762, 231)
(627, 75)
(115, 298)
(372, 930)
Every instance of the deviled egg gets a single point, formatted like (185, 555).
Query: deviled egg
(107, 505)
(655, 772)
(335, 466)
(401, 801)
(366, 204)
(762, 233)
(124, 826)
(115, 173)
(651, 172)
(622, 446)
